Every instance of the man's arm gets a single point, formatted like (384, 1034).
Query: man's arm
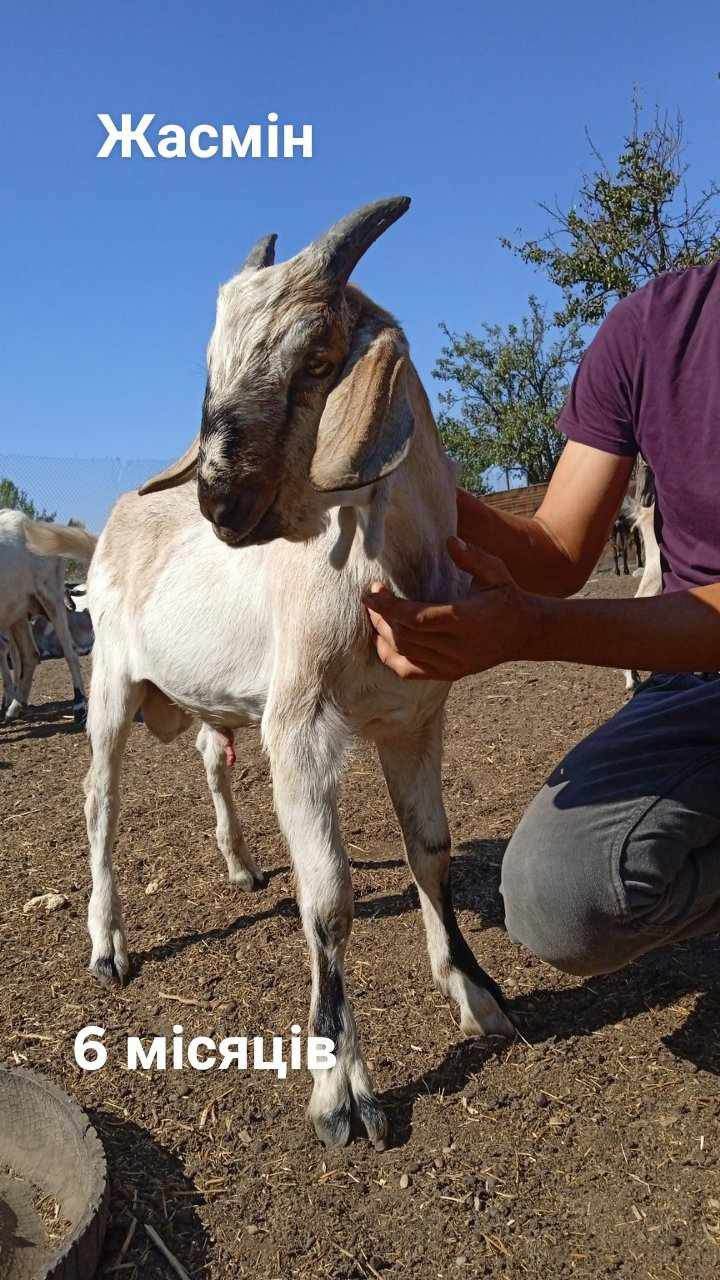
(500, 622)
(676, 632)
(555, 551)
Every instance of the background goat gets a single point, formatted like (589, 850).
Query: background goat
(32, 581)
(46, 638)
(624, 534)
(641, 509)
(651, 581)
(319, 468)
(9, 667)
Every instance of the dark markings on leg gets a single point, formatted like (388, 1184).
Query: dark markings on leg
(335, 1123)
(414, 830)
(435, 850)
(320, 932)
(105, 971)
(331, 995)
(373, 1118)
(461, 957)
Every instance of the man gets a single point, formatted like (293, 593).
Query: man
(620, 851)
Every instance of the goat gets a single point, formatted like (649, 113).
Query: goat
(32, 582)
(625, 531)
(651, 581)
(76, 592)
(81, 631)
(9, 667)
(319, 468)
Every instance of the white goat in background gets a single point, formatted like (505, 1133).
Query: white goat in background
(248, 607)
(32, 581)
(651, 580)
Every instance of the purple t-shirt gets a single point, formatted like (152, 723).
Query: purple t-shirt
(650, 382)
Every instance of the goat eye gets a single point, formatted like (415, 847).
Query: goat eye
(316, 367)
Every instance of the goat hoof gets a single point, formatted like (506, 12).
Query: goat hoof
(15, 711)
(373, 1120)
(360, 1114)
(110, 971)
(333, 1127)
(260, 881)
(483, 1016)
(243, 879)
(80, 713)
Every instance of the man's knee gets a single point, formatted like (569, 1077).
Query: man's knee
(560, 901)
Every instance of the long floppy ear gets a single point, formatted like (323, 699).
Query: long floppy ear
(177, 473)
(367, 423)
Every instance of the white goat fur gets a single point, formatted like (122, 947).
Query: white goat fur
(32, 584)
(651, 581)
(188, 627)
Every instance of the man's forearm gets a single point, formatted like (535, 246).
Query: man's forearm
(675, 632)
(535, 559)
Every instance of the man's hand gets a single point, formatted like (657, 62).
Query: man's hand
(448, 641)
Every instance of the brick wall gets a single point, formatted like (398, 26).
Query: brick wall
(519, 502)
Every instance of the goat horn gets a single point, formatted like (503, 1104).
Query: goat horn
(177, 473)
(261, 255)
(342, 247)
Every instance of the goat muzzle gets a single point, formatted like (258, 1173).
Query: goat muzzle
(234, 516)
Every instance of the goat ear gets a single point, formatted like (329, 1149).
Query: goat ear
(367, 423)
(177, 473)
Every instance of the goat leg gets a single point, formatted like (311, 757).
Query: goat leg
(56, 613)
(113, 704)
(412, 772)
(215, 748)
(25, 659)
(305, 762)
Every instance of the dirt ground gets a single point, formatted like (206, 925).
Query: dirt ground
(588, 1147)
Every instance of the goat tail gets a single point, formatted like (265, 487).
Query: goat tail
(47, 539)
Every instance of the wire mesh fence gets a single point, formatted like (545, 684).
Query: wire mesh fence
(73, 488)
(86, 488)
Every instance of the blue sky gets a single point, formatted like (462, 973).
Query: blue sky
(477, 111)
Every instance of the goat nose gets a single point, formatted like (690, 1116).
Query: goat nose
(222, 511)
(238, 512)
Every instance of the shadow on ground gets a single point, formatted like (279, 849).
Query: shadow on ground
(148, 1184)
(46, 721)
(548, 1013)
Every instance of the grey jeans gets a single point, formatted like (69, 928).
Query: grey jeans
(620, 851)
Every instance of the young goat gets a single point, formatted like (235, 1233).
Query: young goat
(32, 581)
(319, 468)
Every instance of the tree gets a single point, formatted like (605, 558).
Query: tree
(15, 499)
(75, 570)
(506, 390)
(630, 222)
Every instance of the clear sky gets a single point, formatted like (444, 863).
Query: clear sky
(478, 111)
